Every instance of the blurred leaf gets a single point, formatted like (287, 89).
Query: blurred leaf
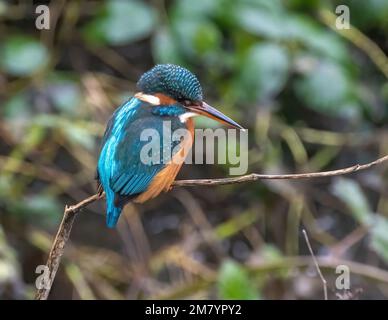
(314, 37)
(207, 38)
(270, 253)
(236, 224)
(77, 277)
(379, 240)
(324, 88)
(234, 283)
(7, 271)
(33, 138)
(164, 48)
(42, 209)
(9, 267)
(17, 107)
(121, 22)
(264, 72)
(384, 92)
(5, 185)
(22, 55)
(260, 22)
(303, 4)
(368, 14)
(197, 37)
(189, 8)
(43, 205)
(351, 194)
(273, 5)
(3, 8)
(79, 135)
(278, 25)
(66, 96)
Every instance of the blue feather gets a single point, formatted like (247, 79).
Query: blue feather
(121, 172)
(169, 110)
(107, 163)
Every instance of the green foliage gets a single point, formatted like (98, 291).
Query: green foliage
(190, 9)
(79, 135)
(350, 192)
(42, 209)
(17, 107)
(120, 22)
(325, 88)
(64, 93)
(165, 49)
(379, 233)
(368, 14)
(234, 283)
(264, 72)
(308, 95)
(197, 37)
(260, 22)
(9, 267)
(266, 42)
(22, 55)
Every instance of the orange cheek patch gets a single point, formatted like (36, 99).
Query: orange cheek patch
(165, 100)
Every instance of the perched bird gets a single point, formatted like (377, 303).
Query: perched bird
(166, 93)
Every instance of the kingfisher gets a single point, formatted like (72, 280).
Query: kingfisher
(169, 93)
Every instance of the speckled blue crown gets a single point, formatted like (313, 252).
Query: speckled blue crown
(174, 81)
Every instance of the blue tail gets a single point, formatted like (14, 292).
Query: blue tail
(112, 216)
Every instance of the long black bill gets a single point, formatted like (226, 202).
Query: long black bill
(210, 112)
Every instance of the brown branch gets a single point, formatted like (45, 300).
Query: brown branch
(324, 282)
(70, 213)
(60, 241)
(296, 176)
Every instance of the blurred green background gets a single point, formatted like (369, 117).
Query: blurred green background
(312, 96)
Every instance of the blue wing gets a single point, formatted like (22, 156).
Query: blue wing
(121, 171)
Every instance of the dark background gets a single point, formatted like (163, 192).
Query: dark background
(313, 97)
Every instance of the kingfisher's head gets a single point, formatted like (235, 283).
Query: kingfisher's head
(168, 84)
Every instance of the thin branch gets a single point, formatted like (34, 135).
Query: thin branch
(296, 176)
(324, 282)
(59, 243)
(70, 213)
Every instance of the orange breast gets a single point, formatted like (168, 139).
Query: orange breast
(164, 179)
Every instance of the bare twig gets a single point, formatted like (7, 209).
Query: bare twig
(60, 241)
(297, 176)
(70, 213)
(324, 283)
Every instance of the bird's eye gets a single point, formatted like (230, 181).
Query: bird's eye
(186, 102)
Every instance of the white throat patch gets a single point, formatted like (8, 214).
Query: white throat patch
(187, 115)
